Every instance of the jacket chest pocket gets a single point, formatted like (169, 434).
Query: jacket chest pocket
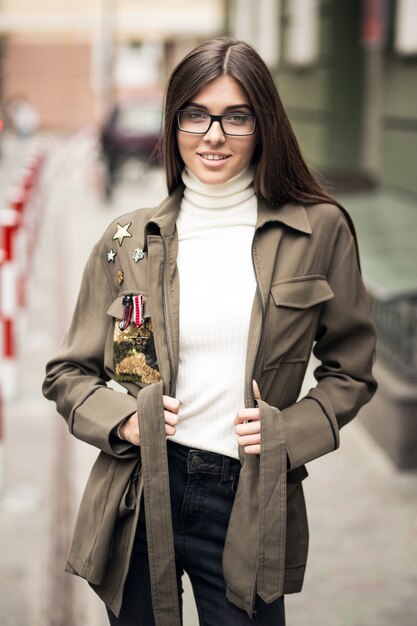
(293, 312)
(134, 355)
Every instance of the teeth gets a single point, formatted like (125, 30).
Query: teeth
(214, 157)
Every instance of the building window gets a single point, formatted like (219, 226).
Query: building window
(405, 36)
(302, 48)
(269, 31)
(257, 23)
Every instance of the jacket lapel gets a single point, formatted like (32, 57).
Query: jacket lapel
(161, 242)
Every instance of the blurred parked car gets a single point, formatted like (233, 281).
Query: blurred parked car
(129, 138)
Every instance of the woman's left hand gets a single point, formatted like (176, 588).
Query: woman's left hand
(248, 426)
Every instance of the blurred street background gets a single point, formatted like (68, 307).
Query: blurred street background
(81, 86)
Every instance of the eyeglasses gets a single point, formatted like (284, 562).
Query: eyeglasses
(199, 123)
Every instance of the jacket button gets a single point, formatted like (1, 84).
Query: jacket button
(196, 460)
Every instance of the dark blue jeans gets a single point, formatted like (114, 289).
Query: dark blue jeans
(203, 486)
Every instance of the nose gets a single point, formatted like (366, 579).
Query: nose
(215, 134)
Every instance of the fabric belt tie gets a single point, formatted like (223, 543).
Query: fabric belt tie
(272, 504)
(157, 500)
(260, 509)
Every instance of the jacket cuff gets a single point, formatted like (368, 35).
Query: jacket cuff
(311, 428)
(95, 421)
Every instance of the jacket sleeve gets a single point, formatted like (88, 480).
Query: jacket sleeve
(75, 377)
(345, 347)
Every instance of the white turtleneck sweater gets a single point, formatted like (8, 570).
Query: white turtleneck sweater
(217, 286)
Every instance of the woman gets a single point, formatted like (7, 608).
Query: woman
(206, 310)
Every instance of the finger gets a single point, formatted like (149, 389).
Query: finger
(249, 440)
(256, 392)
(129, 429)
(170, 418)
(131, 433)
(247, 414)
(135, 439)
(170, 430)
(253, 449)
(171, 404)
(248, 429)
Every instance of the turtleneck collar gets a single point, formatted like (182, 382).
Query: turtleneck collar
(233, 192)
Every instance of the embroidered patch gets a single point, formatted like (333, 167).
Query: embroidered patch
(134, 353)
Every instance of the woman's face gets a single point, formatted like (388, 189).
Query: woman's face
(222, 95)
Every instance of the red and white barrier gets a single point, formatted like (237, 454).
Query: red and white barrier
(19, 225)
(9, 223)
(2, 254)
(1, 440)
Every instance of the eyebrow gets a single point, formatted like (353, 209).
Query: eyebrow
(231, 107)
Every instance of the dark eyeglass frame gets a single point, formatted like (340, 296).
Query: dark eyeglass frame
(214, 118)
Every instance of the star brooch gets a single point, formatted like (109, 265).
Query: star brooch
(111, 255)
(122, 232)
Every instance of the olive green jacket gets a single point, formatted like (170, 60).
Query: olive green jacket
(310, 295)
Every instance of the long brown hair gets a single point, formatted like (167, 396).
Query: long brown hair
(281, 173)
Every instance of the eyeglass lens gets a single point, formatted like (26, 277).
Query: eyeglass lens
(233, 123)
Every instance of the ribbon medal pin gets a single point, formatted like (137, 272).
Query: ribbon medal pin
(132, 311)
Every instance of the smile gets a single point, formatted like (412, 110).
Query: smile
(210, 156)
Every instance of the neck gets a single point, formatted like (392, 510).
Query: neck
(229, 194)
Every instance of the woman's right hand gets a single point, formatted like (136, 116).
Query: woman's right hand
(129, 429)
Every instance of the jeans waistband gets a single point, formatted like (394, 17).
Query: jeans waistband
(203, 461)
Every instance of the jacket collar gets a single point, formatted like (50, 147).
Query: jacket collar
(165, 215)
(292, 215)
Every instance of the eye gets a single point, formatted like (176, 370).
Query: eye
(238, 119)
(194, 116)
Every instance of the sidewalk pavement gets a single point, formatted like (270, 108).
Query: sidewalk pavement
(363, 512)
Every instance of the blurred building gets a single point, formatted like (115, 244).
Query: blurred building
(69, 58)
(347, 73)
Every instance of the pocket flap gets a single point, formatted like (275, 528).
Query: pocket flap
(301, 293)
(116, 307)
